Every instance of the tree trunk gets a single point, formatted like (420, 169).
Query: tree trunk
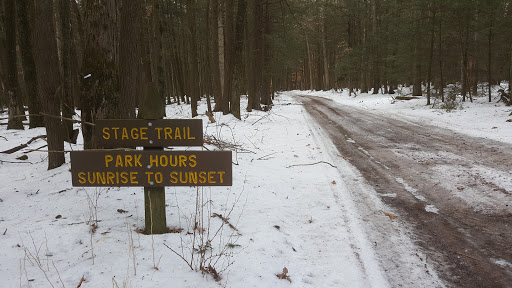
(130, 53)
(256, 57)
(489, 60)
(193, 68)
(68, 107)
(214, 54)
(229, 37)
(100, 86)
(431, 57)
(239, 66)
(25, 9)
(14, 121)
(48, 79)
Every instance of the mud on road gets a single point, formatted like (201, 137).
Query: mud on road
(453, 190)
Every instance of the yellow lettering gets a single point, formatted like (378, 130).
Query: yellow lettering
(128, 160)
(221, 174)
(119, 161)
(133, 178)
(153, 160)
(81, 178)
(124, 177)
(101, 177)
(158, 132)
(92, 179)
(192, 160)
(134, 135)
(108, 158)
(210, 177)
(110, 177)
(192, 177)
(137, 160)
(125, 134)
(168, 131)
(174, 177)
(183, 161)
(183, 180)
(163, 161)
(115, 131)
(177, 133)
(106, 135)
(173, 164)
(159, 178)
(149, 176)
(143, 131)
(202, 177)
(188, 134)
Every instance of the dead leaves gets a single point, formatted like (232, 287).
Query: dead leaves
(284, 275)
(333, 182)
(391, 216)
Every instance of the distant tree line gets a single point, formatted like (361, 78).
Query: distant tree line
(103, 56)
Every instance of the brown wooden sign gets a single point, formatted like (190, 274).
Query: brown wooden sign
(148, 133)
(151, 168)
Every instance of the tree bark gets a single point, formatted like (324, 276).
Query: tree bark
(25, 9)
(130, 54)
(68, 107)
(193, 64)
(14, 121)
(229, 38)
(100, 82)
(48, 79)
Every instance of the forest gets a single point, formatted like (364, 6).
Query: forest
(118, 59)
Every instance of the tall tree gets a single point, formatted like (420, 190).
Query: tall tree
(25, 9)
(48, 79)
(130, 54)
(14, 121)
(193, 64)
(100, 82)
(68, 107)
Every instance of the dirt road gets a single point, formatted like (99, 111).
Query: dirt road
(453, 190)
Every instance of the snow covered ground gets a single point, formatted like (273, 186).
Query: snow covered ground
(288, 205)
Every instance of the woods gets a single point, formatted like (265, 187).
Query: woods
(101, 56)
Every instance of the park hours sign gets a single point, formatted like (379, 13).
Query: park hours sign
(151, 167)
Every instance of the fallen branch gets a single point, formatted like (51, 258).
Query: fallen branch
(37, 149)
(17, 148)
(261, 158)
(311, 164)
(81, 281)
(11, 162)
(224, 220)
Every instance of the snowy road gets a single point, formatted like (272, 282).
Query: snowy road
(452, 191)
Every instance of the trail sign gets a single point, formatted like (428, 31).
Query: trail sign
(114, 133)
(151, 168)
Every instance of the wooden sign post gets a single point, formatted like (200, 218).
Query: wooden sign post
(152, 167)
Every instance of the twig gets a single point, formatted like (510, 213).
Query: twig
(311, 164)
(261, 158)
(81, 281)
(5, 231)
(37, 149)
(225, 221)
(179, 255)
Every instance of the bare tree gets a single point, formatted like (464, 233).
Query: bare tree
(48, 79)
